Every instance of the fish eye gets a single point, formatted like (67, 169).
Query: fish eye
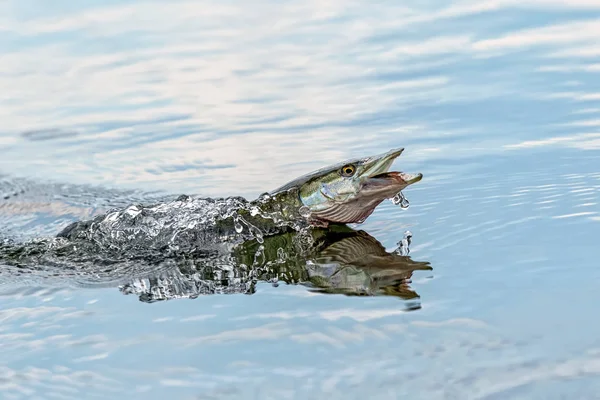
(348, 170)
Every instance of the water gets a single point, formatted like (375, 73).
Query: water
(400, 200)
(108, 104)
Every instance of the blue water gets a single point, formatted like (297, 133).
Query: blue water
(497, 103)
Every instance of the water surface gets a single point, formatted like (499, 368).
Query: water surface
(497, 103)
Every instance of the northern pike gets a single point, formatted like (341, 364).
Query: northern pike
(347, 192)
(138, 239)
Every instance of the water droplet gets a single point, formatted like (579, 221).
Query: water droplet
(264, 197)
(400, 200)
(304, 211)
(274, 281)
(404, 244)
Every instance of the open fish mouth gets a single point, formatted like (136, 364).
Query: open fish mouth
(401, 178)
(377, 177)
(388, 184)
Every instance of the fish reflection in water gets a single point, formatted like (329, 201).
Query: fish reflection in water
(337, 260)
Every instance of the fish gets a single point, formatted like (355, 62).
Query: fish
(343, 193)
(297, 233)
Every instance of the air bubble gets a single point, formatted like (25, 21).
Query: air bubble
(238, 227)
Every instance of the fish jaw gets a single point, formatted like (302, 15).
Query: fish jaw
(381, 163)
(388, 184)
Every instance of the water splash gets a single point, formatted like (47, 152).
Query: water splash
(401, 200)
(138, 233)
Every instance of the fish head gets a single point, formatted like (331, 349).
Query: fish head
(349, 192)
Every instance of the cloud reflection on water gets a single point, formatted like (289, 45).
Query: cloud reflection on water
(162, 97)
